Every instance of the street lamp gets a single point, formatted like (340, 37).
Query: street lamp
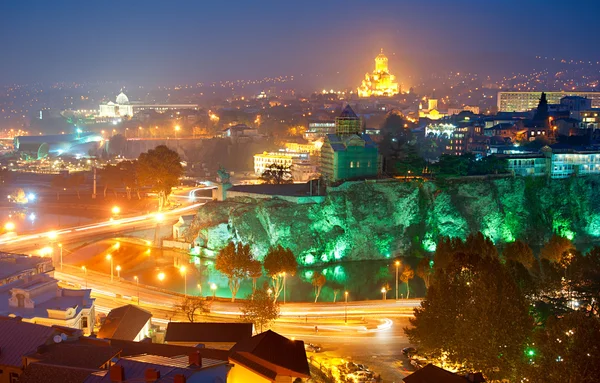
(116, 210)
(61, 254)
(85, 273)
(183, 271)
(199, 286)
(161, 276)
(110, 258)
(118, 272)
(346, 307)
(213, 287)
(177, 129)
(397, 266)
(9, 226)
(384, 292)
(137, 284)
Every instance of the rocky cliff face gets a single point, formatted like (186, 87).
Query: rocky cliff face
(376, 220)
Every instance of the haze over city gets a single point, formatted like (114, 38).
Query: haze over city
(299, 192)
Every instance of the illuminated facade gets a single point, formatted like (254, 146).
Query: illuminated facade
(556, 164)
(120, 108)
(525, 101)
(381, 82)
(286, 159)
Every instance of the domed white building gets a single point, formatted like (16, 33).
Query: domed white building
(120, 108)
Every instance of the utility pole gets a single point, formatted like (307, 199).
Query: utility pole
(94, 187)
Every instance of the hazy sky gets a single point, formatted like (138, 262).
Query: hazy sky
(166, 41)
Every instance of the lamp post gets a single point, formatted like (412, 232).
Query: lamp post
(397, 266)
(183, 271)
(346, 307)
(85, 273)
(384, 293)
(213, 287)
(199, 286)
(61, 256)
(283, 287)
(118, 272)
(161, 276)
(110, 258)
(177, 129)
(137, 285)
(159, 218)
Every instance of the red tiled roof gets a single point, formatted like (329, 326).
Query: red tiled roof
(39, 372)
(19, 338)
(124, 322)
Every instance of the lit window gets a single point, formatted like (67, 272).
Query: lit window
(351, 164)
(358, 164)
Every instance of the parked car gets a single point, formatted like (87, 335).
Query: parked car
(312, 347)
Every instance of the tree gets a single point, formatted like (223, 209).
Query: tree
(190, 305)
(566, 350)
(279, 262)
(276, 174)
(110, 176)
(129, 177)
(318, 281)
(541, 114)
(407, 274)
(260, 310)
(584, 278)
(475, 315)
(519, 251)
(556, 249)
(75, 180)
(160, 168)
(234, 262)
(336, 287)
(117, 144)
(425, 270)
(255, 271)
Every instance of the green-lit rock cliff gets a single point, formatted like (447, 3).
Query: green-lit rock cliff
(363, 220)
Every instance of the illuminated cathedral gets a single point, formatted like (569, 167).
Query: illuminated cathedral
(380, 82)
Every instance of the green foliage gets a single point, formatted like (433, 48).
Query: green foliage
(236, 263)
(260, 309)
(557, 249)
(475, 314)
(567, 349)
(425, 270)
(277, 174)
(160, 168)
(450, 165)
(519, 251)
(407, 274)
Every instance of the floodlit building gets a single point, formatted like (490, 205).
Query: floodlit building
(127, 322)
(590, 119)
(556, 163)
(525, 101)
(17, 266)
(286, 159)
(381, 82)
(122, 107)
(349, 153)
(319, 129)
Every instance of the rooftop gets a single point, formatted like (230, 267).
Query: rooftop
(129, 348)
(433, 374)
(13, 264)
(19, 338)
(207, 332)
(347, 112)
(124, 322)
(91, 355)
(40, 372)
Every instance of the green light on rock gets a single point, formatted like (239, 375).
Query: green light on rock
(308, 275)
(324, 258)
(309, 259)
(569, 234)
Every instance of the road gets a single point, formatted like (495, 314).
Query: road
(373, 334)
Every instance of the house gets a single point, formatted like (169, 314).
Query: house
(38, 299)
(434, 374)
(159, 369)
(181, 226)
(213, 335)
(18, 266)
(268, 357)
(48, 373)
(19, 338)
(127, 322)
(130, 348)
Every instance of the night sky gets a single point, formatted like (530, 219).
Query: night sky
(161, 42)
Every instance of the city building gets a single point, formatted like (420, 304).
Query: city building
(381, 82)
(268, 357)
(466, 108)
(212, 335)
(182, 224)
(319, 129)
(527, 164)
(283, 158)
(39, 299)
(349, 153)
(590, 119)
(575, 105)
(123, 108)
(241, 133)
(17, 266)
(127, 322)
(556, 162)
(525, 101)
(431, 112)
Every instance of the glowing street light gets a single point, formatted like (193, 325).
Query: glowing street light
(118, 271)
(161, 276)
(110, 258)
(116, 210)
(9, 226)
(397, 266)
(183, 270)
(213, 287)
(85, 273)
(137, 284)
(52, 235)
(384, 292)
